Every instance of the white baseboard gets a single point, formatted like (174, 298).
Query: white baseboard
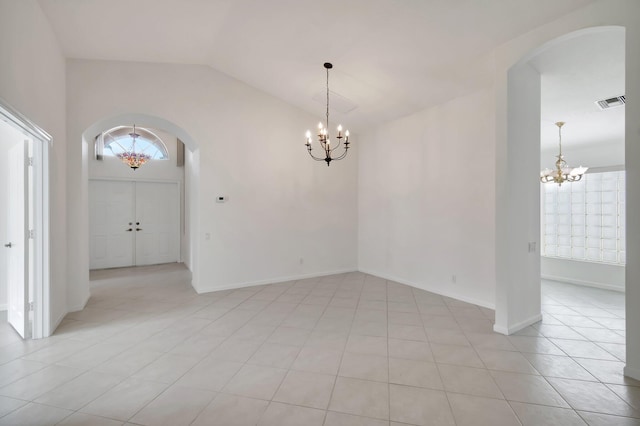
(518, 326)
(81, 306)
(432, 289)
(56, 323)
(583, 283)
(634, 373)
(208, 289)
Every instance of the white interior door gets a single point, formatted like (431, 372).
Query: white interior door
(17, 246)
(112, 227)
(157, 223)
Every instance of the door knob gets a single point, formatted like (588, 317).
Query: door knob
(137, 223)
(138, 229)
(129, 230)
(130, 223)
(8, 245)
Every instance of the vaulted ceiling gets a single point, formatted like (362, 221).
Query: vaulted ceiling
(391, 57)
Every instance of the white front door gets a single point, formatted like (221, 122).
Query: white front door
(111, 223)
(157, 223)
(18, 244)
(133, 223)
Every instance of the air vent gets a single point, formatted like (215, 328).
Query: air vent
(336, 102)
(611, 102)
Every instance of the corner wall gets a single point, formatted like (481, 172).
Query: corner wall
(286, 216)
(427, 199)
(32, 80)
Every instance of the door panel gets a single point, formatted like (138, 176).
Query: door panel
(17, 246)
(111, 209)
(158, 212)
(115, 204)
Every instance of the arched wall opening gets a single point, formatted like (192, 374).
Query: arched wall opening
(191, 180)
(518, 194)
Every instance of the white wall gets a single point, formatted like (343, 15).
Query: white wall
(591, 274)
(281, 205)
(32, 80)
(625, 13)
(426, 199)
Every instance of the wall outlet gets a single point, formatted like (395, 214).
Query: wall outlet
(532, 247)
(454, 278)
(302, 260)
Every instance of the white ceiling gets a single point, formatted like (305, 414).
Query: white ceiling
(391, 57)
(576, 73)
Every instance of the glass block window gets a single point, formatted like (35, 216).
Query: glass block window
(585, 220)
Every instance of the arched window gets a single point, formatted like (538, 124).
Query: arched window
(120, 139)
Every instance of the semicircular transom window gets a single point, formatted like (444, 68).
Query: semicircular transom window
(120, 139)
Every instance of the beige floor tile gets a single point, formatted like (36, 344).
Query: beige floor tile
(289, 336)
(366, 367)
(318, 360)
(341, 419)
(456, 355)
(419, 406)
(534, 344)
(168, 368)
(176, 406)
(128, 362)
(369, 328)
(539, 415)
(490, 341)
(631, 394)
(8, 405)
(34, 414)
(597, 419)
(124, 400)
(275, 355)
(506, 361)
(254, 381)
(42, 381)
(17, 369)
(82, 419)
(582, 349)
(360, 397)
(306, 389)
(527, 388)
(479, 411)
(368, 345)
(236, 350)
(468, 380)
(446, 336)
(410, 349)
(278, 414)
(231, 410)
(414, 373)
(590, 396)
(210, 374)
(562, 367)
(407, 332)
(80, 391)
(607, 371)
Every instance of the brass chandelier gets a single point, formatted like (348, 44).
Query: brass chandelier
(563, 172)
(323, 135)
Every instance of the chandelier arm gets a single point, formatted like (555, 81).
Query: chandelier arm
(344, 154)
(314, 157)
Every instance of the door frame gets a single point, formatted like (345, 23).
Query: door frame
(181, 205)
(42, 141)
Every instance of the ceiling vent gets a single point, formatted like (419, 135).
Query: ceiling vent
(338, 102)
(611, 102)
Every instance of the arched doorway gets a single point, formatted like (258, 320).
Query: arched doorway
(518, 194)
(188, 192)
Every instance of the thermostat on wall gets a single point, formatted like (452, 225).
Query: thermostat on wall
(221, 199)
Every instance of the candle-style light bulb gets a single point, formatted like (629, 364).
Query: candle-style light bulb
(346, 133)
(339, 127)
(320, 125)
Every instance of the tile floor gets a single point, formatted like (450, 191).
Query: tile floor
(348, 349)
